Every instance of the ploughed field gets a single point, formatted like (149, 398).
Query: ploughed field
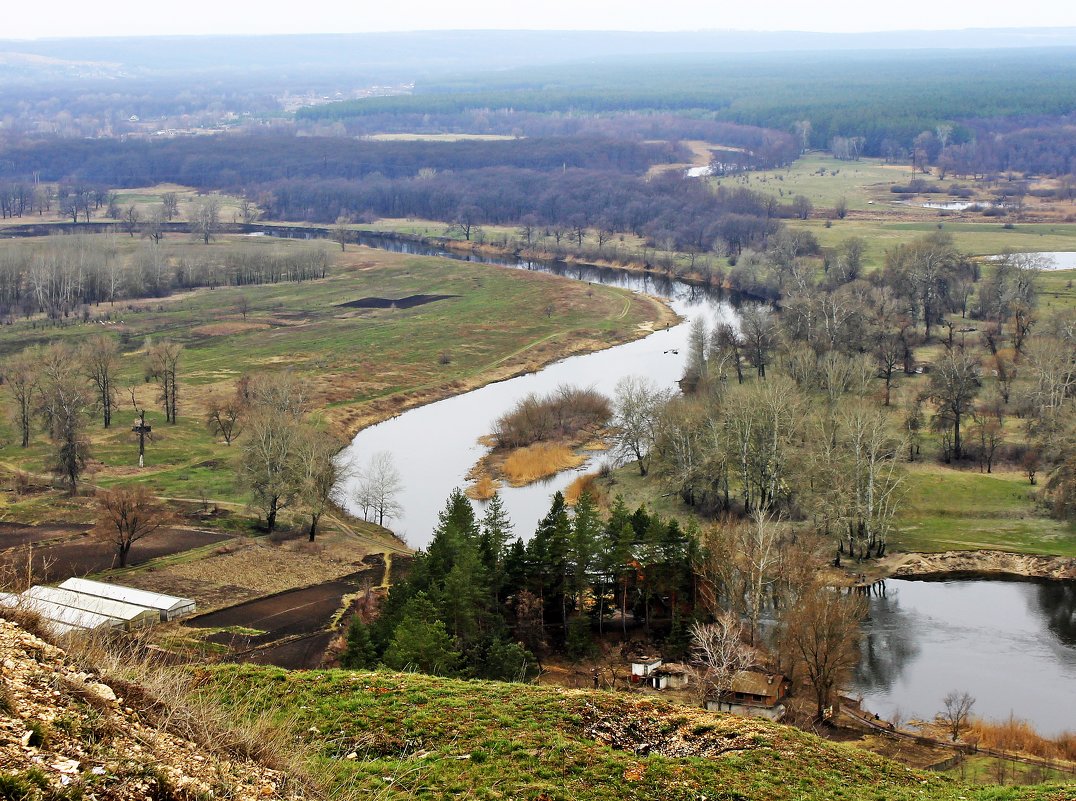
(59, 552)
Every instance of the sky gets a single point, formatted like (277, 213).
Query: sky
(66, 18)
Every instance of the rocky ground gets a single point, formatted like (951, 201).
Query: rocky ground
(66, 734)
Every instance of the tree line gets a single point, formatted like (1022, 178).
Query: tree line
(59, 275)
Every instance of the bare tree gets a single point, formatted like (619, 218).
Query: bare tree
(224, 416)
(170, 204)
(131, 219)
(954, 383)
(956, 712)
(760, 334)
(341, 232)
(267, 463)
(127, 515)
(162, 365)
(636, 404)
(719, 647)
(823, 629)
(22, 376)
(64, 399)
(101, 359)
(319, 475)
(153, 226)
(378, 488)
(205, 217)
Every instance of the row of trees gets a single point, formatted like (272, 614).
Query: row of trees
(61, 274)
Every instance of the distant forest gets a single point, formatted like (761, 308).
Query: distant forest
(886, 100)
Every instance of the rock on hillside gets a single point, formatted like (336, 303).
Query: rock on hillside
(66, 735)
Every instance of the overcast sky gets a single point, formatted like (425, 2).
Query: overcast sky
(149, 17)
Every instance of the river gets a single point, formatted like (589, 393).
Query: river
(1010, 644)
(434, 446)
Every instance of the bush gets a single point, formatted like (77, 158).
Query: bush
(562, 414)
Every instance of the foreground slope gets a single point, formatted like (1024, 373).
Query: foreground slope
(68, 734)
(414, 736)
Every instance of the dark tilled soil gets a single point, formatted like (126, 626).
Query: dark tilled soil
(402, 303)
(302, 653)
(13, 535)
(86, 555)
(286, 614)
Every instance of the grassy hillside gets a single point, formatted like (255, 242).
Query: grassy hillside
(398, 736)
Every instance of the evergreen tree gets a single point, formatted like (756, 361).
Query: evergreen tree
(360, 653)
(586, 530)
(496, 529)
(552, 546)
(420, 641)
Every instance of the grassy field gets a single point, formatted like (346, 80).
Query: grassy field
(399, 736)
(824, 180)
(975, 238)
(947, 510)
(359, 364)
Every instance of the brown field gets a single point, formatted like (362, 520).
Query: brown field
(12, 535)
(85, 555)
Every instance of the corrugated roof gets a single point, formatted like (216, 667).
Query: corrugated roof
(130, 613)
(116, 592)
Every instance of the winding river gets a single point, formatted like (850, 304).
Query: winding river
(1012, 645)
(434, 446)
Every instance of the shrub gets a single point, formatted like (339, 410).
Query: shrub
(562, 414)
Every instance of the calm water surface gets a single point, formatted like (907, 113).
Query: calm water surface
(434, 446)
(1011, 644)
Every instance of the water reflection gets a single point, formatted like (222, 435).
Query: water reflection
(1010, 644)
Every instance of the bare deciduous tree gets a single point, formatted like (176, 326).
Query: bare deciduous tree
(205, 217)
(719, 647)
(127, 515)
(378, 488)
(636, 403)
(64, 399)
(101, 360)
(22, 376)
(956, 712)
(224, 416)
(823, 628)
(267, 463)
(319, 475)
(162, 365)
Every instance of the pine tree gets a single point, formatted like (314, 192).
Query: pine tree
(360, 653)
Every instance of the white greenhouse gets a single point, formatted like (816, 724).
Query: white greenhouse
(168, 607)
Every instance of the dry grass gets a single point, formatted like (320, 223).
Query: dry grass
(541, 460)
(588, 483)
(483, 488)
(1018, 736)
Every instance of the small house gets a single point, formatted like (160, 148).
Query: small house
(753, 694)
(643, 666)
(670, 676)
(169, 607)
